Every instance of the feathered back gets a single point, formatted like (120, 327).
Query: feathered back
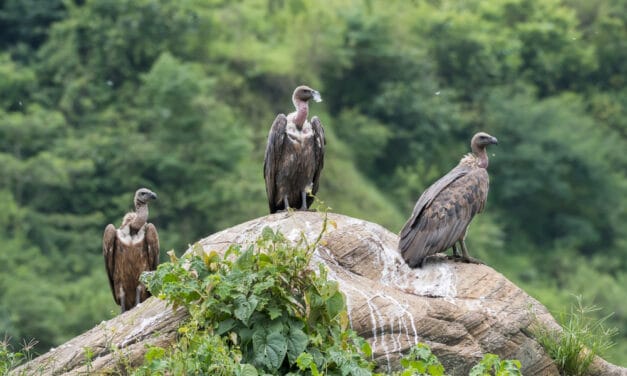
(444, 211)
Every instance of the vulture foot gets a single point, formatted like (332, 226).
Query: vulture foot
(471, 260)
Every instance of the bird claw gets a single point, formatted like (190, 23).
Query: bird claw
(467, 260)
(472, 260)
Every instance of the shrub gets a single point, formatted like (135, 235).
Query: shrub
(255, 311)
(493, 365)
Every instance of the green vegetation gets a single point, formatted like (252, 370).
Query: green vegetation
(260, 309)
(420, 361)
(10, 359)
(100, 98)
(582, 338)
(492, 365)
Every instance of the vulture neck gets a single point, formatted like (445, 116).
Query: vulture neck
(302, 110)
(141, 217)
(481, 155)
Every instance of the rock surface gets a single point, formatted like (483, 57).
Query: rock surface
(461, 310)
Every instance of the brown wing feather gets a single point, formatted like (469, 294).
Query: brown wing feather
(429, 195)
(109, 248)
(271, 162)
(152, 245)
(319, 146)
(443, 213)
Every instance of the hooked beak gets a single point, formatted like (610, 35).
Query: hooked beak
(494, 141)
(153, 196)
(316, 96)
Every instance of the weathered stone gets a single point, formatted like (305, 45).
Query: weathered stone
(461, 310)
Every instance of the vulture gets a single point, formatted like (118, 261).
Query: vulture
(131, 250)
(294, 155)
(444, 211)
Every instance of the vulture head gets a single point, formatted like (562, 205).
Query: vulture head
(478, 144)
(304, 94)
(481, 140)
(143, 195)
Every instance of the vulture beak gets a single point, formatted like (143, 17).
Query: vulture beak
(153, 195)
(316, 96)
(494, 141)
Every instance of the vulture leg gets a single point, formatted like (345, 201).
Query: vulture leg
(455, 251)
(455, 256)
(122, 297)
(303, 197)
(466, 257)
(286, 203)
(138, 294)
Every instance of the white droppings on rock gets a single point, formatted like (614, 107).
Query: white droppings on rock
(139, 329)
(435, 280)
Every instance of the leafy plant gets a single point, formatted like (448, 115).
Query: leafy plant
(493, 365)
(258, 310)
(581, 339)
(421, 361)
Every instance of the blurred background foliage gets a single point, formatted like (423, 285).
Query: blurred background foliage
(98, 98)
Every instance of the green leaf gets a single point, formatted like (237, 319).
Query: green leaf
(304, 360)
(154, 353)
(297, 342)
(245, 260)
(366, 349)
(274, 311)
(245, 308)
(248, 370)
(225, 325)
(270, 349)
(478, 370)
(335, 304)
(435, 370)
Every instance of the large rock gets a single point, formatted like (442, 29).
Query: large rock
(461, 310)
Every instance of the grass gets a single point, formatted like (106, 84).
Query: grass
(10, 359)
(581, 339)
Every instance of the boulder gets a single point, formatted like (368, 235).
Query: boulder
(461, 310)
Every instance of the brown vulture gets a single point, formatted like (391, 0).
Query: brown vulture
(444, 211)
(131, 250)
(294, 155)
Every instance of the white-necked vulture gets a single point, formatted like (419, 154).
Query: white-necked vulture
(444, 211)
(294, 155)
(131, 250)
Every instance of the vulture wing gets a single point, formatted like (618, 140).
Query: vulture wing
(272, 160)
(319, 145)
(443, 212)
(109, 248)
(152, 246)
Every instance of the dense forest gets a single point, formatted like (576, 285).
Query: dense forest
(99, 98)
